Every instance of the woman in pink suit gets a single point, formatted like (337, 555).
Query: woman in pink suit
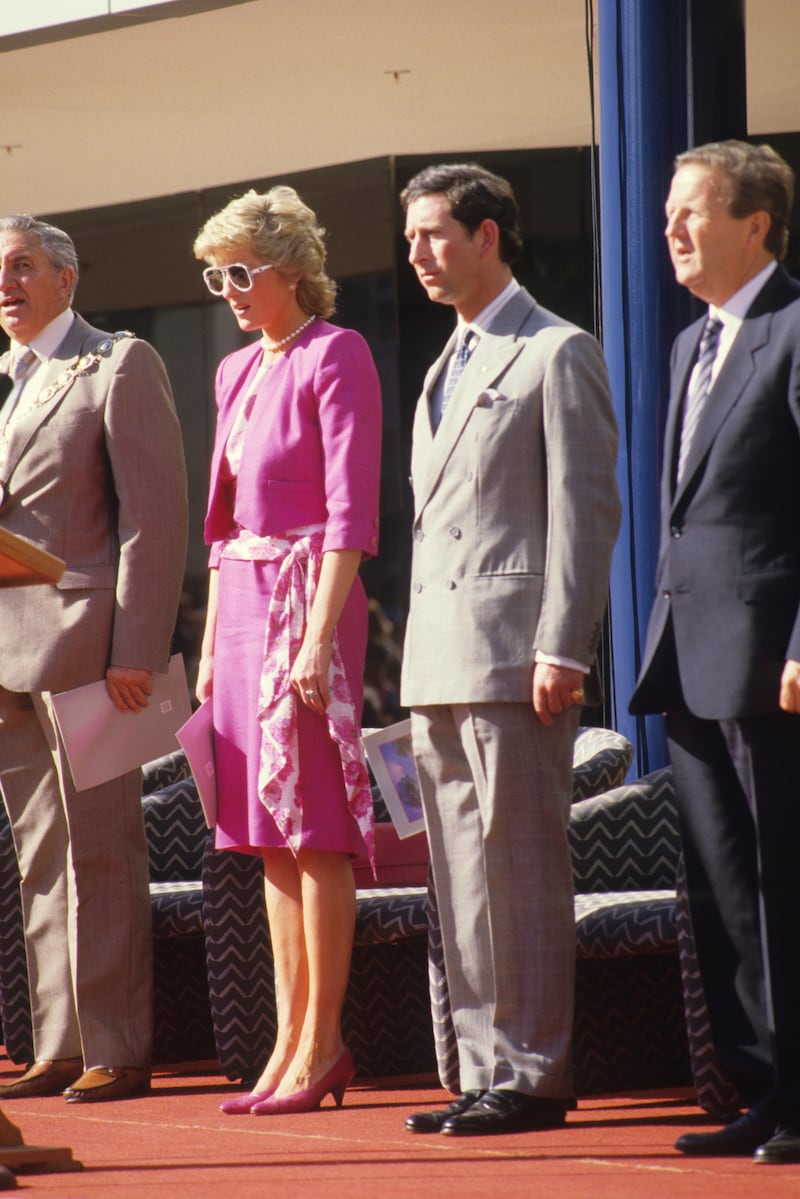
(293, 510)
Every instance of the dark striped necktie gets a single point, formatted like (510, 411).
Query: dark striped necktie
(698, 388)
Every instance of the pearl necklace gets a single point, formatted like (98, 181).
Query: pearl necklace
(271, 346)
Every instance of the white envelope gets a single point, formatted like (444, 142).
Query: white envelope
(196, 738)
(102, 743)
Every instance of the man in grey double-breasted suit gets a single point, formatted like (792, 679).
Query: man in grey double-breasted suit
(516, 514)
(91, 469)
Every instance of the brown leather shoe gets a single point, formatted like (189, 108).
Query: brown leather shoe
(43, 1078)
(109, 1082)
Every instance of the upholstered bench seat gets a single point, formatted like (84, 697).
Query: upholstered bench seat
(177, 909)
(214, 991)
(386, 914)
(618, 923)
(382, 914)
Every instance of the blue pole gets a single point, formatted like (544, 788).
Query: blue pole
(672, 75)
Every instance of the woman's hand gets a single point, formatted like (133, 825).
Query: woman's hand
(205, 670)
(205, 678)
(309, 675)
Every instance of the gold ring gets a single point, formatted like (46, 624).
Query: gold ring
(575, 696)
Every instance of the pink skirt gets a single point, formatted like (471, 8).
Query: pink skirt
(243, 823)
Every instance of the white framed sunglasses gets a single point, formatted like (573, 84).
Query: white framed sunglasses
(240, 276)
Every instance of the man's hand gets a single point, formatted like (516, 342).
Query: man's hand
(128, 689)
(790, 687)
(555, 688)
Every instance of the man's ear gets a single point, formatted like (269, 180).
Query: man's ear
(66, 281)
(760, 223)
(489, 233)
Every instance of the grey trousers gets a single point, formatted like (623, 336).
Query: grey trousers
(496, 788)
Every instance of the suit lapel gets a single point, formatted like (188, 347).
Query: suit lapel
(496, 350)
(54, 385)
(729, 386)
(233, 396)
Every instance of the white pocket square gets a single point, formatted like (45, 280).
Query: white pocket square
(488, 398)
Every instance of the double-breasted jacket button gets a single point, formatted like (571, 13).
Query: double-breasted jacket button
(454, 532)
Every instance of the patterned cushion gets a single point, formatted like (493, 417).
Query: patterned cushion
(613, 924)
(627, 839)
(391, 914)
(176, 832)
(163, 771)
(601, 758)
(177, 909)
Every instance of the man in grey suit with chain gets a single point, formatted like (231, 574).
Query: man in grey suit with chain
(91, 470)
(516, 514)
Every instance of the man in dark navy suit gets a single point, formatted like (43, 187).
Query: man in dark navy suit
(723, 651)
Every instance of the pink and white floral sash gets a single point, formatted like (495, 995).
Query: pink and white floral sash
(300, 558)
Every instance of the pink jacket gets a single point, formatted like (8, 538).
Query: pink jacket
(313, 444)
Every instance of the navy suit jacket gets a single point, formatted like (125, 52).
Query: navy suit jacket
(727, 610)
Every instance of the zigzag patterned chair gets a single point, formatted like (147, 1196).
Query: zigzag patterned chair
(190, 884)
(630, 1030)
(637, 987)
(213, 977)
(214, 992)
(386, 1018)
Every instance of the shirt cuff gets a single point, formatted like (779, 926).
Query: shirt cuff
(557, 660)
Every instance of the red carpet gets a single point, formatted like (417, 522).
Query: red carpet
(175, 1144)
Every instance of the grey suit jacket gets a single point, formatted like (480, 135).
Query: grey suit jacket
(94, 473)
(516, 512)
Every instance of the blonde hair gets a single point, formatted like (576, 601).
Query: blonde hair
(283, 231)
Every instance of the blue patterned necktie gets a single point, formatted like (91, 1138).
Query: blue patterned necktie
(441, 395)
(460, 360)
(699, 388)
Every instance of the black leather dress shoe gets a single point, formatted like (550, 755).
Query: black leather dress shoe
(499, 1111)
(433, 1121)
(741, 1138)
(781, 1150)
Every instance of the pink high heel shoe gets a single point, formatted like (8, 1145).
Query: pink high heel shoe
(335, 1083)
(241, 1105)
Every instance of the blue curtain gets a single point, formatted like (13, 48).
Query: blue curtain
(653, 103)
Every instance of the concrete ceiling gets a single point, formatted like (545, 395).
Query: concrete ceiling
(258, 88)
